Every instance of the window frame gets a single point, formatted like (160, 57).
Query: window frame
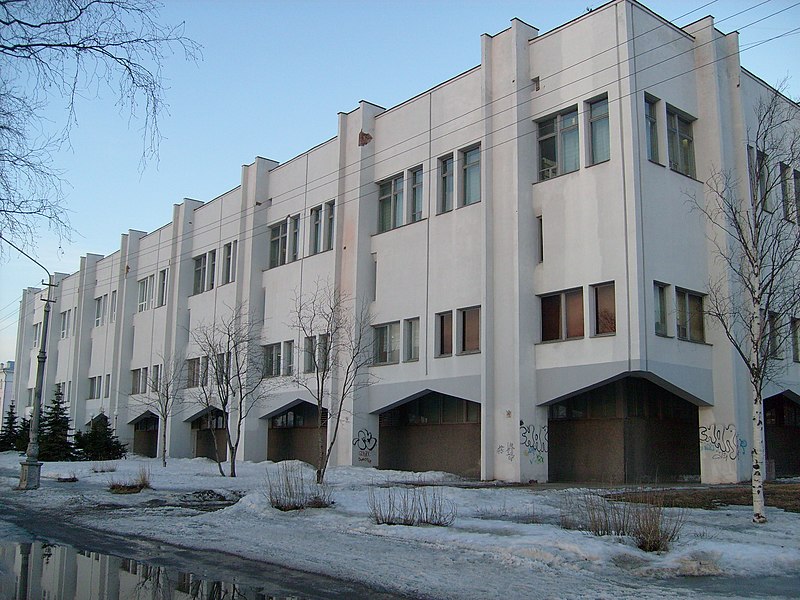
(390, 194)
(597, 290)
(199, 274)
(411, 340)
(163, 287)
(595, 122)
(470, 166)
(445, 202)
(795, 324)
(678, 152)
(463, 333)
(112, 309)
(564, 124)
(386, 343)
(330, 225)
(416, 197)
(229, 257)
(684, 313)
(651, 128)
(564, 312)
(660, 308)
(444, 334)
(315, 231)
(278, 244)
(272, 360)
(287, 368)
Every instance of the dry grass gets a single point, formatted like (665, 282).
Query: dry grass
(131, 486)
(779, 495)
(411, 506)
(648, 522)
(290, 490)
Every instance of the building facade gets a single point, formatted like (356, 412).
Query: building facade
(521, 239)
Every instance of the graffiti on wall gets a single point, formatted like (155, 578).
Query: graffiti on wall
(722, 441)
(533, 442)
(509, 450)
(365, 443)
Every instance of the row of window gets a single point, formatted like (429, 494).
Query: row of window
(197, 371)
(688, 310)
(562, 314)
(680, 141)
(559, 139)
(205, 271)
(764, 178)
(284, 237)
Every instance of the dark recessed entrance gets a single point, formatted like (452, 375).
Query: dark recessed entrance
(293, 434)
(145, 435)
(630, 431)
(434, 432)
(782, 434)
(208, 429)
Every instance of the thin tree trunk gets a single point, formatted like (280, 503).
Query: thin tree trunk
(758, 456)
(163, 442)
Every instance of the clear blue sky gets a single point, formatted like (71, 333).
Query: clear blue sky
(272, 79)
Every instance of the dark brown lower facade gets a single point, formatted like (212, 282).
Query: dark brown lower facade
(294, 434)
(628, 431)
(433, 432)
(782, 434)
(210, 440)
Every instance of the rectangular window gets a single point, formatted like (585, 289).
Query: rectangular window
(278, 239)
(444, 334)
(598, 131)
(294, 238)
(796, 340)
(660, 308)
(689, 316)
(107, 389)
(446, 184)
(309, 354)
(212, 269)
(155, 378)
(605, 317)
(315, 242)
(95, 387)
(562, 315)
(796, 178)
(773, 335)
(65, 324)
(558, 145)
(540, 236)
(390, 204)
(651, 128)
(37, 328)
(411, 340)
(387, 343)
(329, 224)
(272, 360)
(163, 284)
(416, 195)
(288, 358)
(139, 381)
(229, 252)
(112, 311)
(470, 323)
(100, 310)
(472, 176)
(200, 263)
(145, 296)
(681, 143)
(786, 197)
(323, 351)
(192, 372)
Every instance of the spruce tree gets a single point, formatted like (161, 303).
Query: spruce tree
(8, 436)
(23, 435)
(54, 442)
(99, 443)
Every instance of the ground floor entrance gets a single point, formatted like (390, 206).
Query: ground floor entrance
(433, 432)
(627, 431)
(208, 433)
(782, 435)
(145, 435)
(294, 434)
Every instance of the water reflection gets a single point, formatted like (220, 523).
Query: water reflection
(42, 571)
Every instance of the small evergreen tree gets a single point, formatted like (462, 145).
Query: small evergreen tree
(99, 443)
(23, 435)
(8, 436)
(54, 442)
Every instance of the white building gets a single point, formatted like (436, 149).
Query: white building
(6, 387)
(521, 236)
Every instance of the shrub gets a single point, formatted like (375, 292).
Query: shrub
(132, 486)
(99, 443)
(647, 522)
(411, 506)
(290, 489)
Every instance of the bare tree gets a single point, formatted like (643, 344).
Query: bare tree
(164, 386)
(59, 51)
(754, 234)
(337, 341)
(232, 375)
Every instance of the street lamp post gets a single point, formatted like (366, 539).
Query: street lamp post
(31, 468)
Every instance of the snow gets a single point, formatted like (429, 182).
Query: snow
(492, 549)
